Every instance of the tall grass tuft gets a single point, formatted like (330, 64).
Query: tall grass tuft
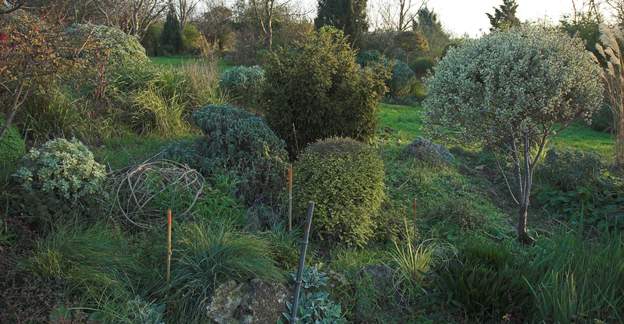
(578, 280)
(158, 114)
(95, 262)
(207, 255)
(203, 82)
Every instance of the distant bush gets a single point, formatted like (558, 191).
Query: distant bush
(576, 186)
(110, 43)
(369, 57)
(317, 90)
(208, 255)
(569, 169)
(602, 120)
(60, 172)
(12, 147)
(345, 180)
(402, 79)
(243, 84)
(485, 281)
(239, 143)
(422, 65)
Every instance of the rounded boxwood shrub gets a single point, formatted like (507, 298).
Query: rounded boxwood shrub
(243, 84)
(239, 143)
(12, 147)
(120, 48)
(316, 90)
(345, 180)
(61, 169)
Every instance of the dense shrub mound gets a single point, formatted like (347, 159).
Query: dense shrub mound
(345, 179)
(239, 143)
(62, 168)
(243, 84)
(12, 147)
(317, 90)
(109, 43)
(402, 79)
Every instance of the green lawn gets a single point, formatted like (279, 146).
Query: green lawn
(405, 123)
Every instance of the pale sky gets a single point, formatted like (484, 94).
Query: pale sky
(468, 16)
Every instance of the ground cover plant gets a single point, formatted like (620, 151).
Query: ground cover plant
(141, 189)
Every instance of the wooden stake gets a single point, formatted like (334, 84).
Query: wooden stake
(169, 249)
(290, 196)
(304, 248)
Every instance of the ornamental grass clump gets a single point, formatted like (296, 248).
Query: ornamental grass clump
(345, 179)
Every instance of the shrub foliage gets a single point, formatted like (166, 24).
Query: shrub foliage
(62, 169)
(243, 84)
(237, 142)
(511, 91)
(317, 90)
(110, 43)
(345, 180)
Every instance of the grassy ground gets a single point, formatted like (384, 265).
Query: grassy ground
(181, 60)
(406, 123)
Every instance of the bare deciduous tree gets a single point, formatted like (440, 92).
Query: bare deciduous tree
(186, 10)
(132, 16)
(400, 14)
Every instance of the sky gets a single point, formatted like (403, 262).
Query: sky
(468, 16)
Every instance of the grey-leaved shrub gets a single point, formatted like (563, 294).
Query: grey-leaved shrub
(510, 92)
(62, 169)
(243, 84)
(108, 43)
(239, 143)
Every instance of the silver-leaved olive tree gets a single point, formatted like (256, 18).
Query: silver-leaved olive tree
(510, 92)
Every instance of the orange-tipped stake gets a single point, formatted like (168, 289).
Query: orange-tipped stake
(169, 249)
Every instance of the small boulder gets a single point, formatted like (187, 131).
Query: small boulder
(425, 150)
(264, 302)
(248, 303)
(226, 299)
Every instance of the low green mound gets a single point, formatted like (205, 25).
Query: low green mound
(345, 179)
